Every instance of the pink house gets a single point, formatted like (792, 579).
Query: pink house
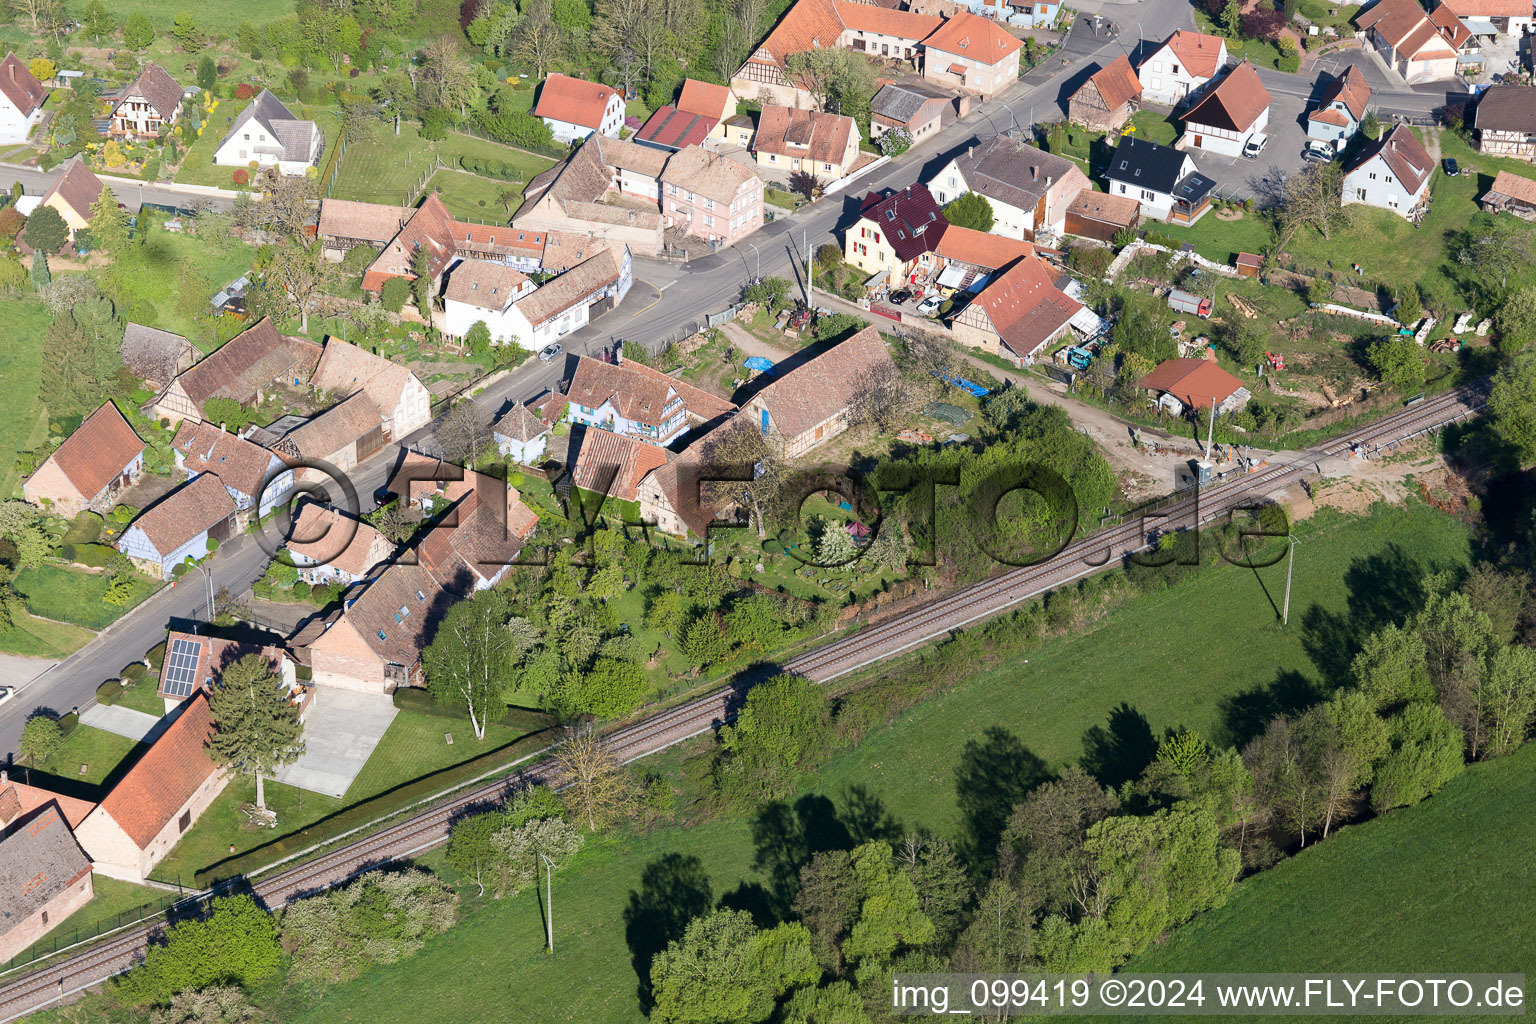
(711, 197)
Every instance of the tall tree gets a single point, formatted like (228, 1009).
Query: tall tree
(840, 81)
(1512, 406)
(46, 230)
(598, 788)
(537, 40)
(109, 224)
(1312, 198)
(256, 725)
(756, 463)
(724, 969)
(467, 663)
(970, 211)
(41, 738)
(297, 271)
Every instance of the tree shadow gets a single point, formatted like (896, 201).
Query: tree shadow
(866, 818)
(995, 773)
(1384, 588)
(674, 889)
(1119, 752)
(755, 899)
(1245, 715)
(787, 837)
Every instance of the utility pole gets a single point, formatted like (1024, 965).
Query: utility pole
(1285, 612)
(1210, 430)
(809, 287)
(549, 902)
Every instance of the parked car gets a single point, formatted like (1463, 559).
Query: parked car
(1452, 168)
(1255, 146)
(1318, 151)
(383, 496)
(930, 305)
(899, 296)
(550, 351)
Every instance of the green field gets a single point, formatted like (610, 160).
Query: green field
(220, 16)
(1389, 249)
(471, 197)
(1208, 655)
(71, 595)
(385, 168)
(1446, 885)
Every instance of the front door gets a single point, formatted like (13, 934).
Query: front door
(1199, 142)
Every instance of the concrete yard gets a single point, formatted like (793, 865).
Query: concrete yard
(340, 732)
(135, 725)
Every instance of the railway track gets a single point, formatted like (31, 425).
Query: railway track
(981, 600)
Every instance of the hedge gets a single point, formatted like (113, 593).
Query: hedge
(67, 723)
(67, 552)
(108, 692)
(94, 555)
(156, 656)
(134, 672)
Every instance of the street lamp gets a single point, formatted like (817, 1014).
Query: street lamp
(759, 256)
(207, 587)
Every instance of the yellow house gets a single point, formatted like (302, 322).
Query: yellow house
(896, 236)
(73, 194)
(787, 141)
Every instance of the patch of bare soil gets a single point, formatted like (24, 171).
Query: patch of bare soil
(1354, 485)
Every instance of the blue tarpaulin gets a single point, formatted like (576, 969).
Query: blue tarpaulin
(963, 384)
(760, 363)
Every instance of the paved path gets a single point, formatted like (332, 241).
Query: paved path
(135, 725)
(340, 731)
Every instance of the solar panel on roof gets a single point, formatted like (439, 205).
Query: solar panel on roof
(181, 668)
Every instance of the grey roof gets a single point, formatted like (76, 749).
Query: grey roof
(900, 101)
(1011, 171)
(519, 423)
(1150, 166)
(295, 138)
(38, 860)
(157, 86)
(152, 354)
(1507, 108)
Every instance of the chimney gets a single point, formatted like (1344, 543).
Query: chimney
(4, 776)
(1047, 181)
(223, 428)
(1034, 172)
(618, 352)
(970, 151)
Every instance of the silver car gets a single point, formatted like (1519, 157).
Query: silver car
(550, 351)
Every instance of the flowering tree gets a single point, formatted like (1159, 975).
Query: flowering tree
(895, 142)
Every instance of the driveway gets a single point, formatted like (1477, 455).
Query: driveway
(135, 725)
(340, 732)
(1243, 178)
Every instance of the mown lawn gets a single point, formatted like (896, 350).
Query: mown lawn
(22, 420)
(71, 595)
(104, 755)
(412, 748)
(1445, 885)
(385, 168)
(1180, 657)
(471, 197)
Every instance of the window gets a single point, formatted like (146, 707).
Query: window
(383, 635)
(45, 917)
(1360, 194)
(1373, 175)
(420, 597)
(185, 822)
(1122, 188)
(247, 136)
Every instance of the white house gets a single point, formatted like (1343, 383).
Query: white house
(179, 526)
(1340, 109)
(1421, 46)
(1391, 173)
(1232, 112)
(267, 133)
(487, 292)
(249, 472)
(565, 304)
(1028, 189)
(1181, 67)
(1509, 16)
(1163, 180)
(21, 100)
(635, 401)
(521, 434)
(574, 109)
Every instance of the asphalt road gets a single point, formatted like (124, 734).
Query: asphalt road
(666, 298)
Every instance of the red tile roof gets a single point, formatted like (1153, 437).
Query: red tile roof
(159, 783)
(817, 390)
(982, 249)
(1351, 88)
(38, 861)
(1490, 8)
(1514, 186)
(18, 799)
(1116, 82)
(432, 228)
(98, 450)
(574, 101)
(20, 86)
(807, 25)
(1121, 211)
(910, 219)
(157, 86)
(1025, 307)
(879, 20)
(1234, 104)
(638, 392)
(706, 99)
(1199, 53)
(77, 186)
(1406, 28)
(239, 464)
(184, 513)
(968, 35)
(614, 465)
(818, 135)
(1195, 382)
(327, 536)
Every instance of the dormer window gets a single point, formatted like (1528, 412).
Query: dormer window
(382, 635)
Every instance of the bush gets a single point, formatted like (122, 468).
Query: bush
(156, 656)
(241, 176)
(326, 594)
(66, 552)
(133, 673)
(394, 293)
(94, 555)
(179, 570)
(244, 91)
(212, 545)
(85, 529)
(1290, 65)
(302, 590)
(108, 692)
(67, 724)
